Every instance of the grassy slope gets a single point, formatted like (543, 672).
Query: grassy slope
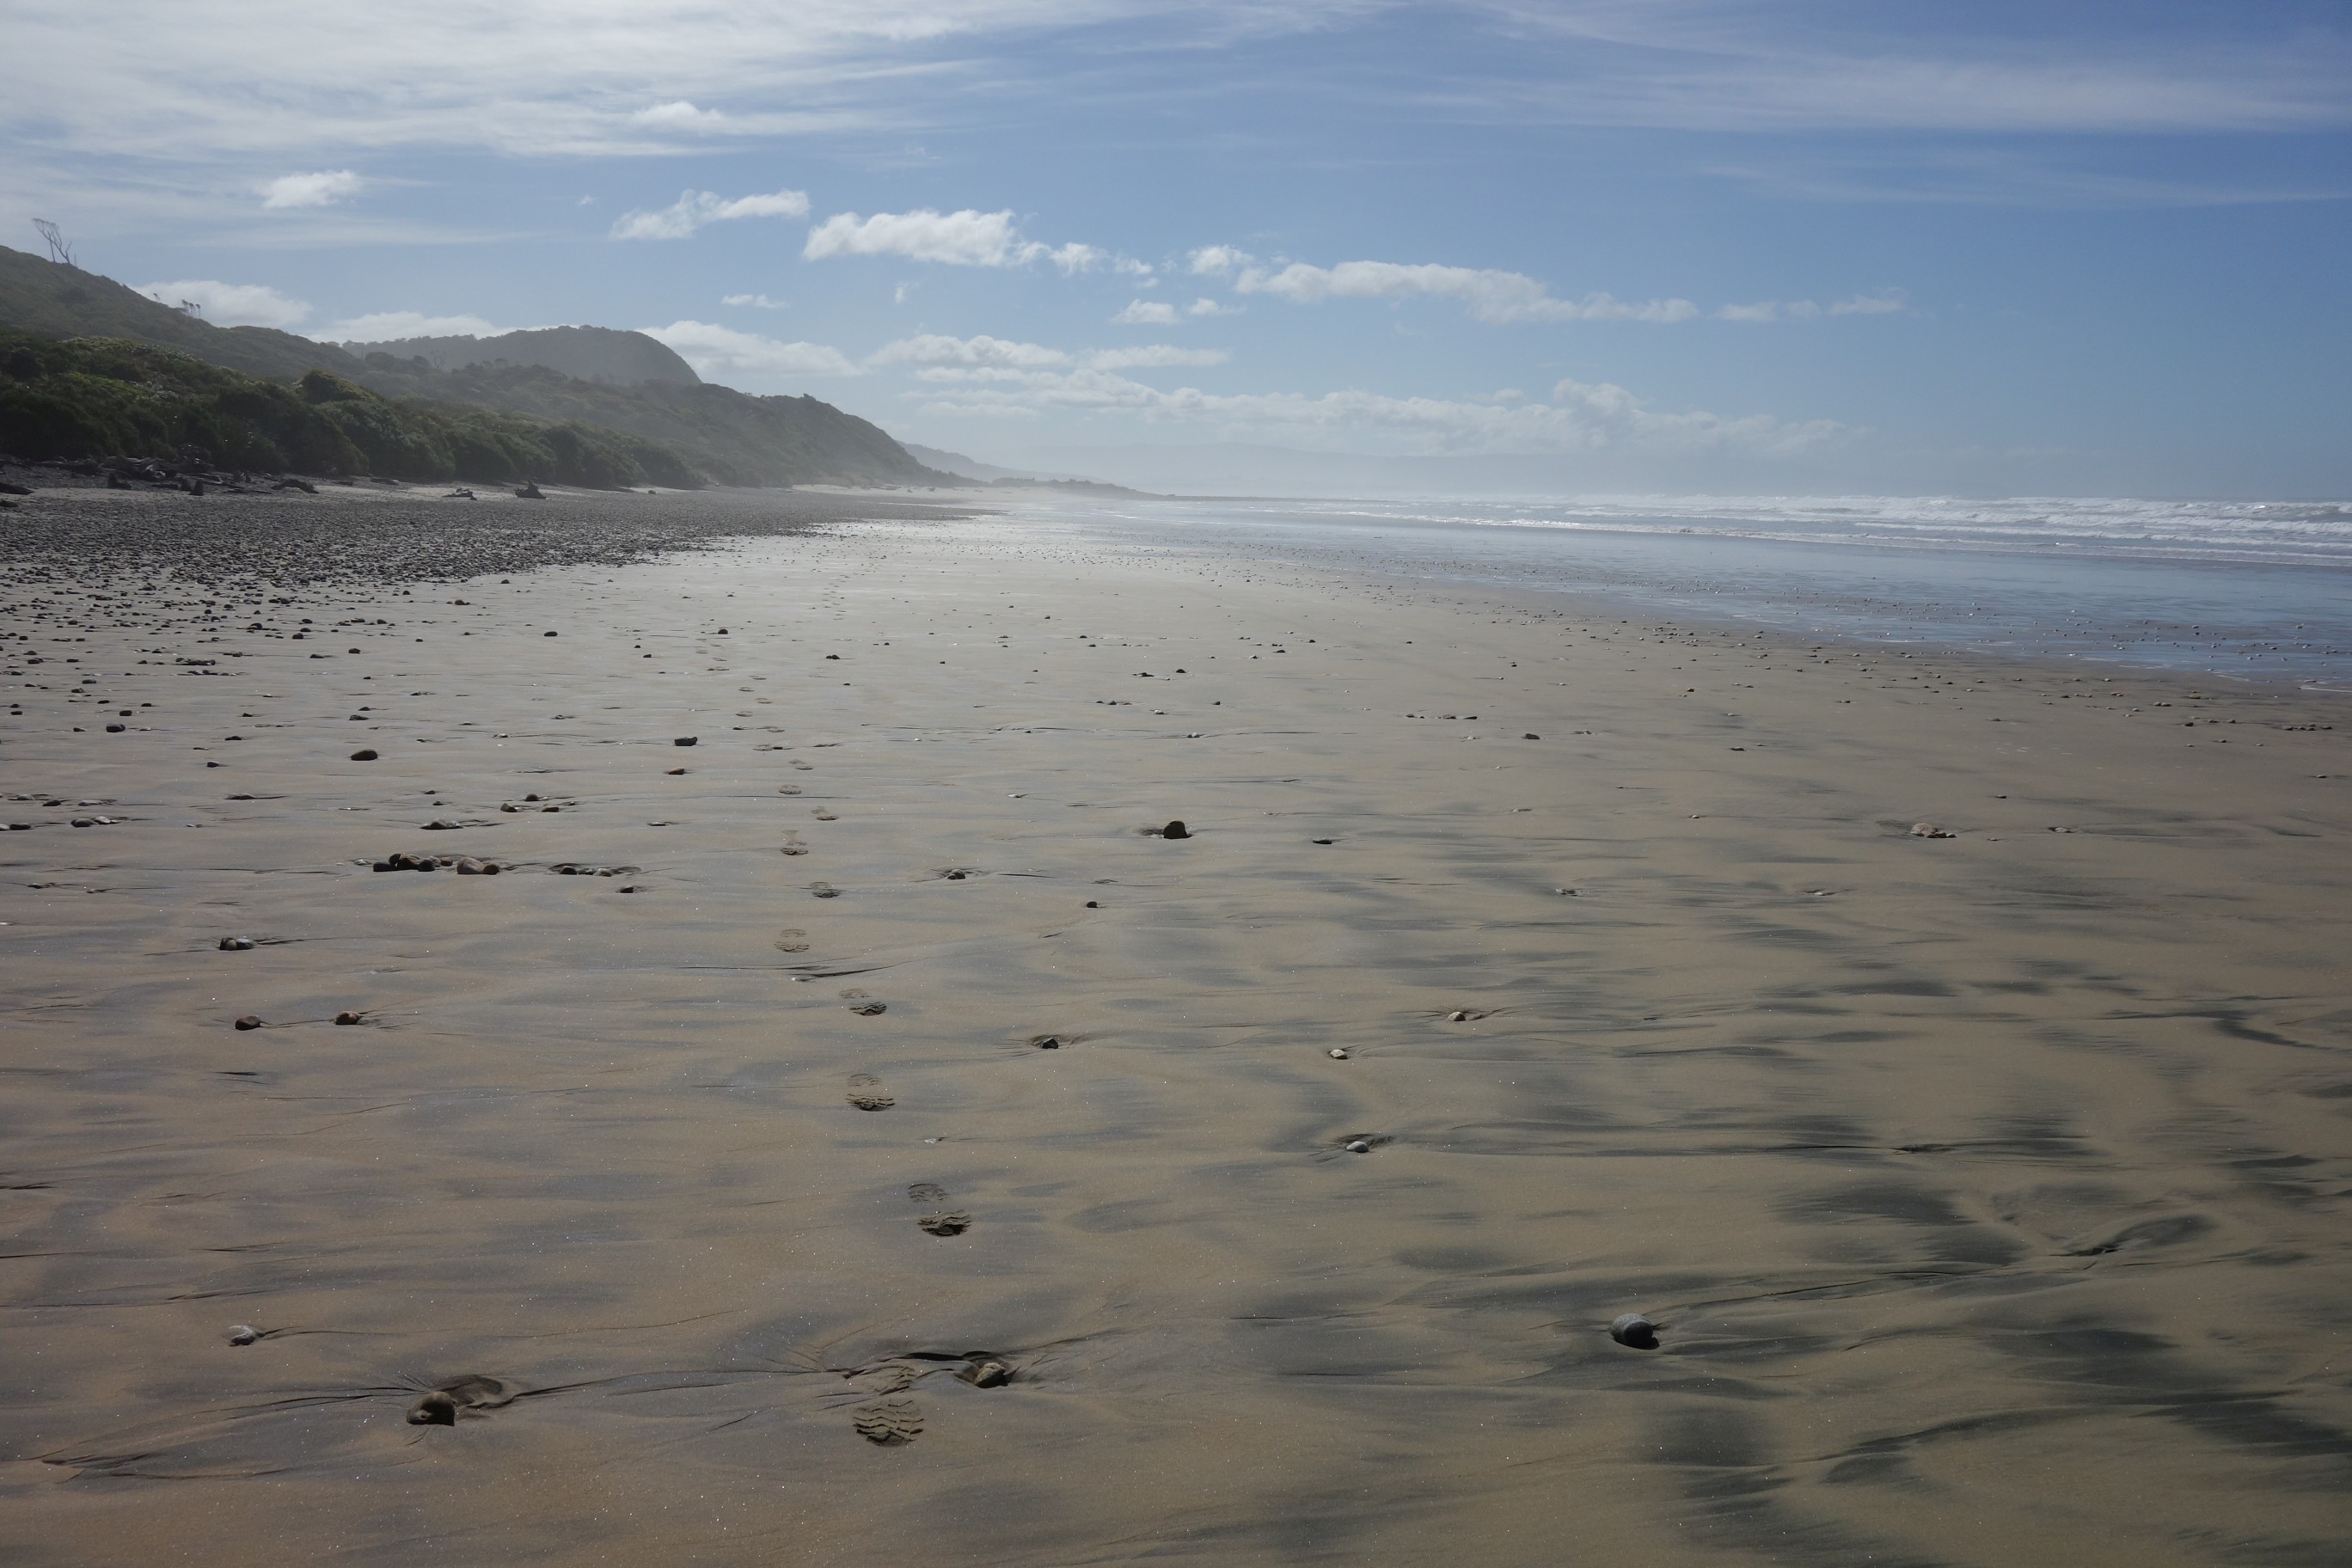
(97, 397)
(715, 432)
(734, 438)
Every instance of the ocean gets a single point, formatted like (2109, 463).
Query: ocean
(2251, 591)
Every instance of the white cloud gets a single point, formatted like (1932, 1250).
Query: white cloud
(1154, 354)
(1581, 416)
(1074, 259)
(681, 114)
(1160, 313)
(694, 208)
(384, 325)
(319, 190)
(1808, 310)
(760, 301)
(1491, 296)
(715, 351)
(967, 237)
(935, 349)
(232, 304)
(1216, 260)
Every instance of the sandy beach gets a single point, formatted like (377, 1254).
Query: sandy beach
(847, 1130)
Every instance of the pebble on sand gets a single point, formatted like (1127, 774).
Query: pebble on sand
(348, 1017)
(1634, 1332)
(989, 1372)
(236, 944)
(436, 1409)
(1358, 1146)
(250, 1021)
(243, 1334)
(365, 754)
(686, 741)
(1929, 830)
(469, 866)
(1338, 1053)
(1176, 829)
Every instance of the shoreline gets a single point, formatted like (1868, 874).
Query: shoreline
(1967, 1178)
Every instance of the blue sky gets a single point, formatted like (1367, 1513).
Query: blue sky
(1679, 245)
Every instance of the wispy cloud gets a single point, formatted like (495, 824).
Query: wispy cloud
(232, 304)
(933, 349)
(1808, 310)
(322, 189)
(758, 302)
(1154, 355)
(967, 237)
(1162, 313)
(384, 326)
(985, 358)
(1489, 295)
(717, 352)
(693, 209)
(1581, 416)
(1747, 66)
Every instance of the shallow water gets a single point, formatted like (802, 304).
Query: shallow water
(2244, 590)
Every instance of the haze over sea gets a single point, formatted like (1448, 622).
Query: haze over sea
(2246, 590)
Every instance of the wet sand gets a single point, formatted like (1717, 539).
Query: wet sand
(1989, 1191)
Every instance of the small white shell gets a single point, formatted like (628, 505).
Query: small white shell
(1339, 1054)
(1358, 1146)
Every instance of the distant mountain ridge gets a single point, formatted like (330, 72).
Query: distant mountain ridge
(685, 427)
(585, 353)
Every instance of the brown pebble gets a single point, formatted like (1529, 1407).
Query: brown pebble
(436, 1409)
(365, 754)
(1175, 829)
(348, 1017)
(687, 741)
(250, 1021)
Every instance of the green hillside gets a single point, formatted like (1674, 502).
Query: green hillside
(700, 433)
(101, 397)
(38, 296)
(734, 438)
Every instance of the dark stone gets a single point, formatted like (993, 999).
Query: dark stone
(1634, 1332)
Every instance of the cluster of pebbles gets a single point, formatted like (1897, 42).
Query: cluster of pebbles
(463, 864)
(410, 536)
